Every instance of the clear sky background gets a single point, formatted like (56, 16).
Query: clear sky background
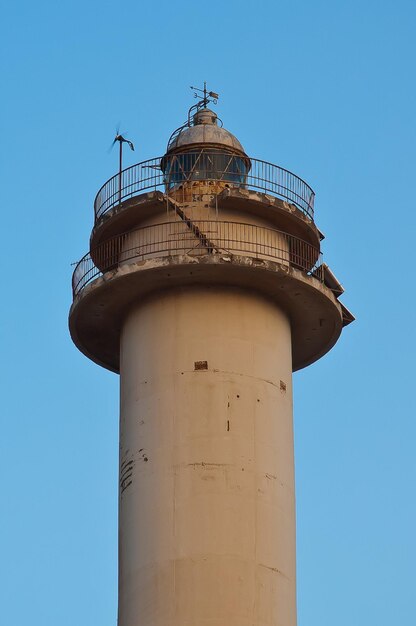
(325, 89)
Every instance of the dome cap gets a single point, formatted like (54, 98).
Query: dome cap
(205, 132)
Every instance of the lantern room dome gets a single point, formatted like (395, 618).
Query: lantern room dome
(205, 132)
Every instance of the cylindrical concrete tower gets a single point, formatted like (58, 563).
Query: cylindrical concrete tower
(205, 288)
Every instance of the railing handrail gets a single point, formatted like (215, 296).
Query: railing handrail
(267, 177)
(298, 253)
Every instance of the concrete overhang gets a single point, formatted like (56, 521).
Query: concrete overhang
(97, 313)
(347, 316)
(280, 214)
(331, 281)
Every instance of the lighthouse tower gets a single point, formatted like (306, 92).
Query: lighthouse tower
(204, 288)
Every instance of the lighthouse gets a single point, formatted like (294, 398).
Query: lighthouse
(204, 288)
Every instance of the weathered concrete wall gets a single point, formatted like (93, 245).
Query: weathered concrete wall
(226, 230)
(207, 517)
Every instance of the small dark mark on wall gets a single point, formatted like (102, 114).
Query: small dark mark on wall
(273, 569)
(228, 425)
(142, 454)
(282, 386)
(126, 475)
(124, 485)
(207, 466)
(201, 365)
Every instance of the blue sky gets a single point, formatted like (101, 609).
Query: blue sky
(325, 89)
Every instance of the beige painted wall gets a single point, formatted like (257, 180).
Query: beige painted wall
(207, 517)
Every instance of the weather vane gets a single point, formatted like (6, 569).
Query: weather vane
(209, 96)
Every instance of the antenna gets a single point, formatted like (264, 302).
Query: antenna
(119, 137)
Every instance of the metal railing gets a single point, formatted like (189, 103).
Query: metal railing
(212, 237)
(147, 175)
